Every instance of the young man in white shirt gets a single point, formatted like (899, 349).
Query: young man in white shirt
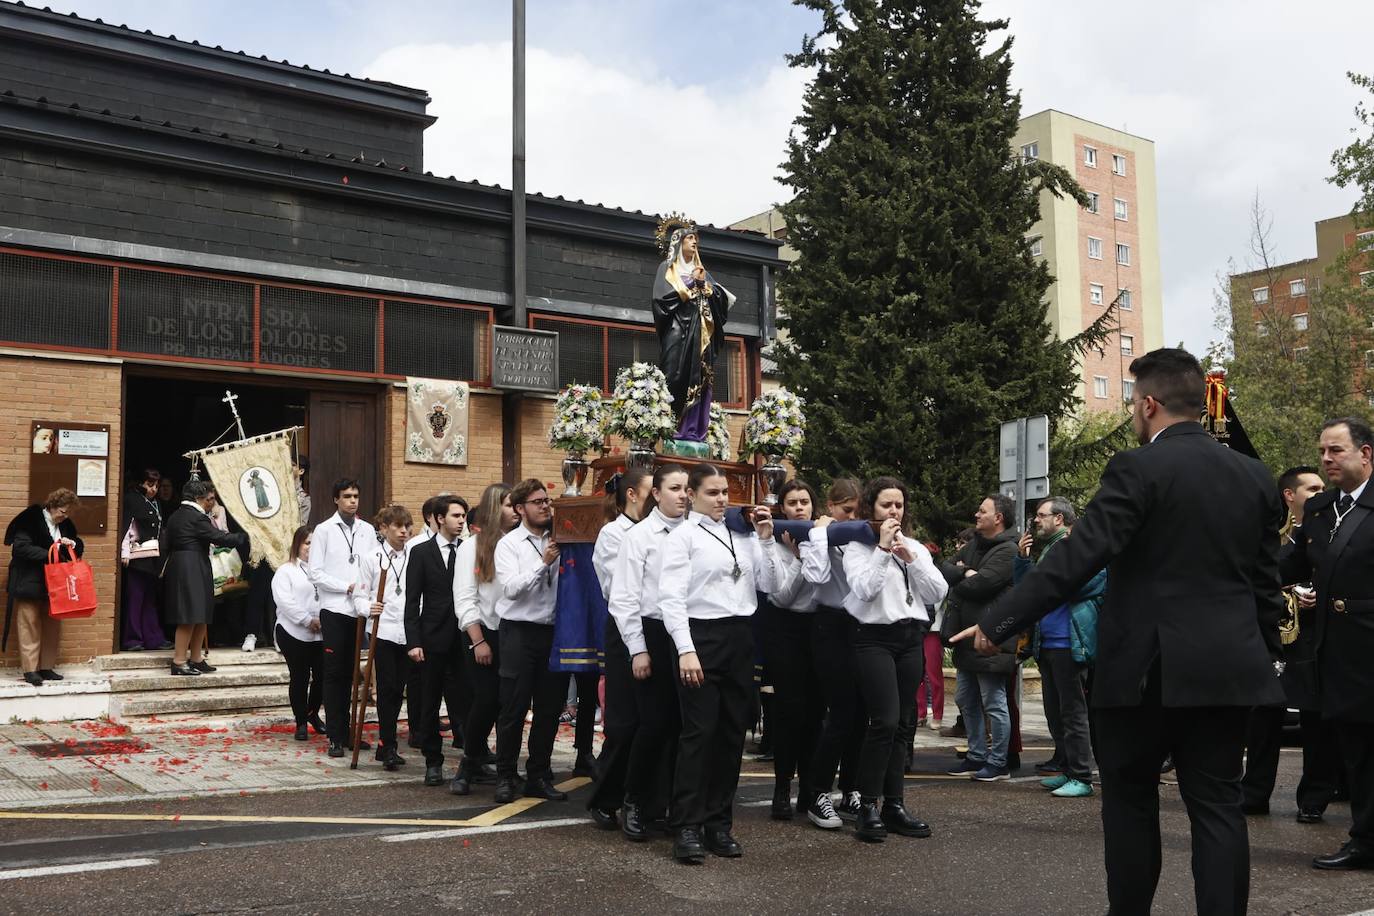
(527, 572)
(336, 550)
(390, 661)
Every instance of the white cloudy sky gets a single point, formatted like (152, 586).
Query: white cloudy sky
(1242, 97)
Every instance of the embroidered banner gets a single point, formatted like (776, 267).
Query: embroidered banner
(255, 485)
(436, 421)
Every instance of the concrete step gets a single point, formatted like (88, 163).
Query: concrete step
(227, 700)
(231, 721)
(134, 681)
(220, 658)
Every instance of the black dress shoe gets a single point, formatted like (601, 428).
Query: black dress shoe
(722, 844)
(49, 675)
(316, 723)
(896, 819)
(632, 822)
(481, 773)
(505, 790)
(543, 787)
(302, 733)
(1348, 858)
(336, 750)
(1309, 816)
(434, 774)
(203, 666)
(1254, 808)
(687, 846)
(869, 827)
(36, 679)
(460, 785)
(585, 765)
(183, 670)
(782, 803)
(385, 754)
(603, 818)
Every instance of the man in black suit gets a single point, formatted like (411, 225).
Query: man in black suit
(431, 626)
(1187, 636)
(1334, 548)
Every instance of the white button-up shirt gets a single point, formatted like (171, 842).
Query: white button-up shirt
(331, 545)
(473, 601)
(792, 591)
(297, 601)
(823, 566)
(607, 549)
(528, 585)
(696, 580)
(634, 583)
(880, 584)
(391, 626)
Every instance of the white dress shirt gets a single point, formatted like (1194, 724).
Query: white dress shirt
(473, 601)
(424, 535)
(823, 566)
(607, 549)
(880, 584)
(298, 602)
(53, 531)
(792, 591)
(528, 585)
(634, 582)
(696, 580)
(391, 626)
(332, 544)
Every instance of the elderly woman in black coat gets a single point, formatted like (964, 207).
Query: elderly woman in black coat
(190, 595)
(30, 536)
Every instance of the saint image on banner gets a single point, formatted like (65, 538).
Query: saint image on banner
(260, 493)
(690, 310)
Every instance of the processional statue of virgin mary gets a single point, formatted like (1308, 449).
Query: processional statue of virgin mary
(690, 309)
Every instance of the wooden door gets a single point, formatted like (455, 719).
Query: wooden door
(344, 442)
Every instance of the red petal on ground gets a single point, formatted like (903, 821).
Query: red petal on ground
(43, 785)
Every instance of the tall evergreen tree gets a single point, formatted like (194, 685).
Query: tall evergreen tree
(916, 313)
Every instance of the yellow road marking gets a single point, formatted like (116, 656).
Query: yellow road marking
(520, 805)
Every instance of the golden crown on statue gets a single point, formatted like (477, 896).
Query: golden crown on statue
(670, 228)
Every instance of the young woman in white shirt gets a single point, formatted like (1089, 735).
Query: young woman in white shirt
(298, 634)
(707, 593)
(474, 601)
(890, 586)
(628, 492)
(390, 661)
(634, 609)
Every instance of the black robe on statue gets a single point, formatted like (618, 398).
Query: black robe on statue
(678, 320)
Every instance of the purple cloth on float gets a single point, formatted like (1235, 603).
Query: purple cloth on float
(696, 418)
(579, 623)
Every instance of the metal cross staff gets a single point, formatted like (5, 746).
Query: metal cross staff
(229, 398)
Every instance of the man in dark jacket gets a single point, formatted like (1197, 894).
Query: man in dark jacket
(30, 536)
(977, 576)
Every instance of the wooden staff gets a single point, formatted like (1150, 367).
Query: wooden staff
(358, 710)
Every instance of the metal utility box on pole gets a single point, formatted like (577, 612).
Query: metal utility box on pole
(511, 406)
(1023, 462)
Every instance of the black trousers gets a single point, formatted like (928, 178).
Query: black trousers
(715, 717)
(888, 662)
(392, 666)
(653, 749)
(1356, 740)
(260, 610)
(526, 680)
(1321, 758)
(619, 724)
(458, 691)
(798, 702)
(414, 687)
(1207, 743)
(842, 731)
(1066, 711)
(340, 655)
(486, 700)
(305, 662)
(584, 736)
(436, 672)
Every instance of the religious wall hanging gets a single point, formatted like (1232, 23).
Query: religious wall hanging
(436, 421)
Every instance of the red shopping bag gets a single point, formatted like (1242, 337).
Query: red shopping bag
(71, 585)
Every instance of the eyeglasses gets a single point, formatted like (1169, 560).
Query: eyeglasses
(543, 501)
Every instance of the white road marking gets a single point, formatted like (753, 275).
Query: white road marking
(73, 869)
(474, 831)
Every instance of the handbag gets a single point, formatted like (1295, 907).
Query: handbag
(226, 568)
(71, 585)
(131, 549)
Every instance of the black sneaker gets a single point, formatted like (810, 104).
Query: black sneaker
(848, 808)
(822, 813)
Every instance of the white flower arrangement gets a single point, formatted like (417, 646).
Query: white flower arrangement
(641, 407)
(579, 419)
(776, 425)
(718, 435)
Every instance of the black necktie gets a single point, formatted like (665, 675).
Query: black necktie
(452, 556)
(1343, 504)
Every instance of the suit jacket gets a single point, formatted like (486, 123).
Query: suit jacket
(430, 620)
(1189, 531)
(1339, 654)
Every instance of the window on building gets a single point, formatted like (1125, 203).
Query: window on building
(1090, 156)
(1123, 299)
(1119, 208)
(1099, 386)
(1299, 353)
(1037, 247)
(1030, 151)
(1297, 287)
(1261, 329)
(1300, 321)
(1094, 248)
(1369, 359)
(1364, 239)
(1370, 398)
(1092, 202)
(1260, 294)
(1095, 293)
(1127, 345)
(1127, 388)
(1123, 254)
(1367, 278)
(1118, 164)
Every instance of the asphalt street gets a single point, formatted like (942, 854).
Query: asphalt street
(999, 848)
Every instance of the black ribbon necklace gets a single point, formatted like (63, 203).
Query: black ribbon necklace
(548, 575)
(391, 565)
(350, 532)
(906, 580)
(736, 572)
